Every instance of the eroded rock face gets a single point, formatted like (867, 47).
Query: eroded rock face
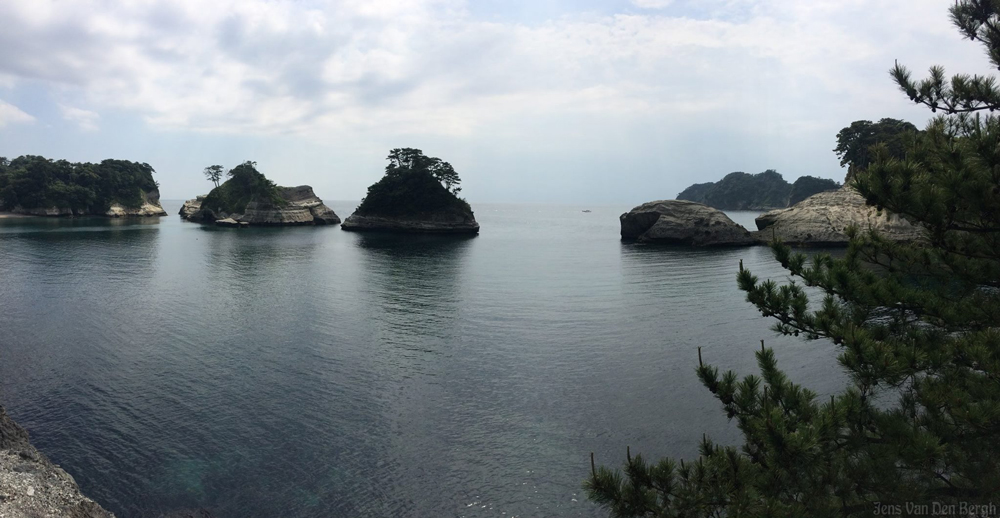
(150, 207)
(146, 210)
(822, 220)
(31, 485)
(303, 207)
(190, 207)
(451, 222)
(682, 222)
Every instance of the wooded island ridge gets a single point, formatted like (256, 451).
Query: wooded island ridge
(39, 186)
(761, 191)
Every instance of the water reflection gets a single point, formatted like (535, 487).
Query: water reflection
(415, 281)
(82, 223)
(238, 257)
(414, 286)
(61, 264)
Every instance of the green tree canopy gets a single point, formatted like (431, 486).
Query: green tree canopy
(34, 181)
(245, 184)
(854, 143)
(213, 173)
(806, 186)
(766, 190)
(409, 160)
(414, 185)
(918, 329)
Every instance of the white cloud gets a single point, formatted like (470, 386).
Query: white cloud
(778, 78)
(10, 114)
(652, 4)
(327, 67)
(86, 120)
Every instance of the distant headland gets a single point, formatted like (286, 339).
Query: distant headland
(761, 191)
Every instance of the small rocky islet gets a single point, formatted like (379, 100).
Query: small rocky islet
(417, 194)
(301, 207)
(682, 222)
(248, 198)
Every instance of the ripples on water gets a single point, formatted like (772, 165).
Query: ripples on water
(315, 372)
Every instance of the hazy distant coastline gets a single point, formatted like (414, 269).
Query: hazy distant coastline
(762, 191)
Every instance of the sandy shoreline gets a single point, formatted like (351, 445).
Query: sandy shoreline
(5, 215)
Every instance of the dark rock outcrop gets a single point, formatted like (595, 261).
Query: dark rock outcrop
(300, 207)
(12, 436)
(682, 222)
(31, 485)
(447, 222)
(822, 220)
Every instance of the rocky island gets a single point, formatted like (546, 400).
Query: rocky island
(822, 220)
(31, 485)
(418, 194)
(684, 223)
(38, 186)
(248, 198)
(762, 191)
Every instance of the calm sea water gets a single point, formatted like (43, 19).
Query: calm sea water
(307, 372)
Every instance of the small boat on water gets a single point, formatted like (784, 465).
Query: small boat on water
(586, 210)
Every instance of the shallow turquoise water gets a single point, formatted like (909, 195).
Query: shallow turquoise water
(314, 372)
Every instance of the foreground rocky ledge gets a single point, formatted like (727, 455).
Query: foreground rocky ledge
(31, 485)
(822, 220)
(682, 222)
(303, 208)
(448, 223)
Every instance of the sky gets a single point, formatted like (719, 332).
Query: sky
(539, 101)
